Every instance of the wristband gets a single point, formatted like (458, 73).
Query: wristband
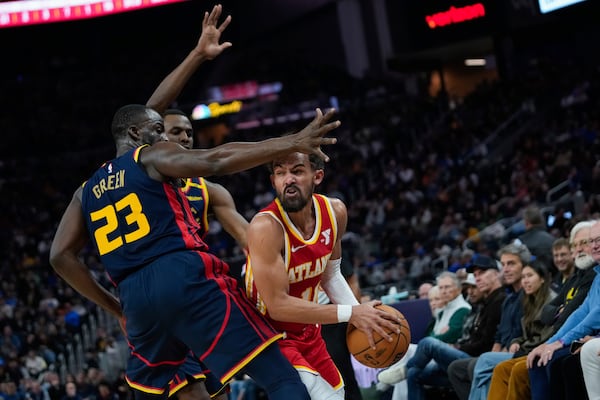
(344, 312)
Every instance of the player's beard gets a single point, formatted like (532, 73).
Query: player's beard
(295, 204)
(584, 262)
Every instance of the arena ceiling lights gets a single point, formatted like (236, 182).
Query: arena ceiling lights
(31, 12)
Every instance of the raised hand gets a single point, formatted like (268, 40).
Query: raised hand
(310, 139)
(208, 44)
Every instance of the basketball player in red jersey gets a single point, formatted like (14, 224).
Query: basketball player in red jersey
(294, 246)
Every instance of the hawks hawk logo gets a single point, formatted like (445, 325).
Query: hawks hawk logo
(326, 236)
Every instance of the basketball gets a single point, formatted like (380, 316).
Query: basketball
(386, 353)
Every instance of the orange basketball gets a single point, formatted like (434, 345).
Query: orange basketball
(385, 353)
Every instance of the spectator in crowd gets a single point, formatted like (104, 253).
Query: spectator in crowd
(536, 237)
(535, 281)
(536, 285)
(15, 370)
(452, 319)
(10, 342)
(51, 383)
(105, 392)
(436, 304)
(581, 325)
(455, 309)
(466, 257)
(475, 298)
(9, 391)
(423, 290)
(71, 392)
(563, 262)
(35, 364)
(35, 391)
(510, 379)
(486, 297)
(120, 386)
(461, 373)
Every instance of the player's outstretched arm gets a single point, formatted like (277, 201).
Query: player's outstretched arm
(166, 159)
(70, 238)
(208, 48)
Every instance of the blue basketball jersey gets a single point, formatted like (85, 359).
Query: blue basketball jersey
(133, 219)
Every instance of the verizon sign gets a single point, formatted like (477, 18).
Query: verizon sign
(455, 15)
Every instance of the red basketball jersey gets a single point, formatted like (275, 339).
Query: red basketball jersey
(305, 259)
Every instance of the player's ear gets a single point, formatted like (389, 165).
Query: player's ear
(318, 178)
(134, 132)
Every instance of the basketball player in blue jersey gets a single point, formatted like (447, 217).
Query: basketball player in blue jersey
(193, 381)
(160, 333)
(175, 297)
(192, 377)
(189, 383)
(135, 125)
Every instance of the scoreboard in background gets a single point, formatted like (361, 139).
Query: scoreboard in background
(418, 25)
(423, 24)
(551, 5)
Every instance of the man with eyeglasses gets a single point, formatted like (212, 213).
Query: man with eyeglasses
(583, 323)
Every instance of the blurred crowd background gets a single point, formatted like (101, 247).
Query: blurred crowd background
(435, 165)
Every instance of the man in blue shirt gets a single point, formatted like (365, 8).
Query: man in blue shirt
(585, 321)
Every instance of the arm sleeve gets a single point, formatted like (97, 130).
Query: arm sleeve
(335, 286)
